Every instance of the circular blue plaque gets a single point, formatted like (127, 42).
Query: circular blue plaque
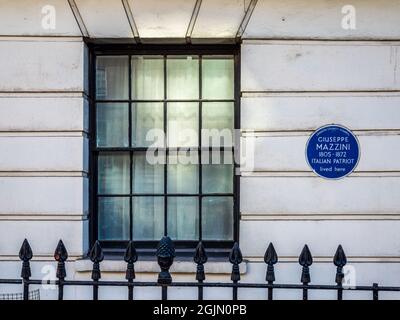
(333, 151)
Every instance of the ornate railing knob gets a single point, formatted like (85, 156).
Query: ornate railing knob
(165, 258)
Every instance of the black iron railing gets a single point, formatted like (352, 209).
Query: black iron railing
(165, 257)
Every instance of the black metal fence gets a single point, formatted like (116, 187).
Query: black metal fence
(165, 257)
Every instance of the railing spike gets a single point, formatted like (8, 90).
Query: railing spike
(235, 257)
(130, 258)
(305, 260)
(96, 256)
(60, 254)
(200, 258)
(96, 253)
(25, 253)
(339, 260)
(270, 258)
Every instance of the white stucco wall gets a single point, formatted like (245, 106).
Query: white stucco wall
(299, 70)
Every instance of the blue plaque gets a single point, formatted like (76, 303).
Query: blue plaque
(333, 151)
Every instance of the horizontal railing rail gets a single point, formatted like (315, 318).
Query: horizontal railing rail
(165, 257)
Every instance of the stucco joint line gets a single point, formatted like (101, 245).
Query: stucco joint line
(246, 19)
(78, 18)
(192, 21)
(131, 20)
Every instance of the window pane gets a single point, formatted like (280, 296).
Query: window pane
(148, 176)
(217, 124)
(148, 218)
(112, 81)
(183, 218)
(147, 121)
(147, 77)
(217, 172)
(113, 218)
(183, 124)
(217, 218)
(112, 124)
(113, 175)
(217, 78)
(183, 77)
(182, 173)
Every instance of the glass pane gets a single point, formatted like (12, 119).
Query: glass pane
(217, 172)
(113, 176)
(112, 78)
(113, 218)
(112, 124)
(217, 218)
(183, 218)
(217, 124)
(183, 77)
(148, 176)
(147, 122)
(217, 78)
(148, 218)
(148, 77)
(182, 173)
(183, 124)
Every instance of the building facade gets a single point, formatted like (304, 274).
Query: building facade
(83, 82)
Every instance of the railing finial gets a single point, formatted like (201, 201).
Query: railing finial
(305, 260)
(270, 258)
(96, 256)
(200, 258)
(130, 258)
(61, 255)
(339, 260)
(236, 258)
(25, 254)
(165, 258)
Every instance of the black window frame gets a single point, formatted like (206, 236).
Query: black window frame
(183, 248)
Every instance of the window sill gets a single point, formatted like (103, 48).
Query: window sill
(150, 266)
